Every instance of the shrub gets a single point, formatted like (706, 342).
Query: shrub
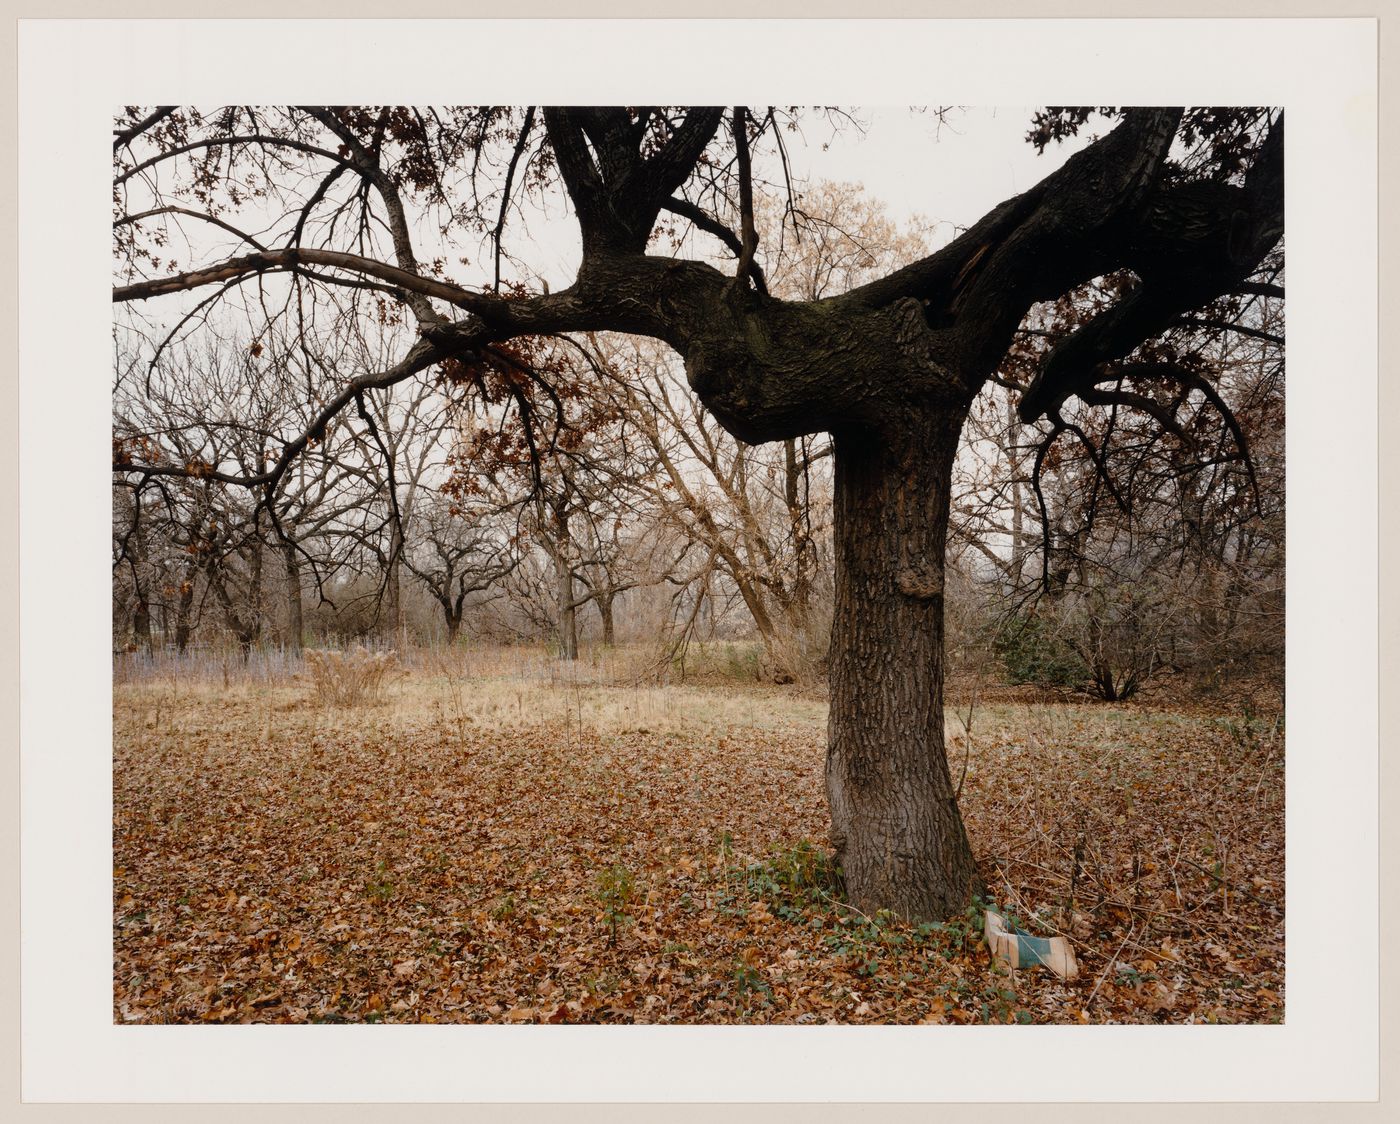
(1032, 652)
(348, 678)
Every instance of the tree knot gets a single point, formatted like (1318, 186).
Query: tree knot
(923, 583)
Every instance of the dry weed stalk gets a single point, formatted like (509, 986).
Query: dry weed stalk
(348, 678)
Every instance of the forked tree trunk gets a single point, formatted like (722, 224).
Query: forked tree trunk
(452, 613)
(899, 835)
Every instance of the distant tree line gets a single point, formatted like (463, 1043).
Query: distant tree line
(1092, 554)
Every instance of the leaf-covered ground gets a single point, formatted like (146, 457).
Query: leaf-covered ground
(492, 849)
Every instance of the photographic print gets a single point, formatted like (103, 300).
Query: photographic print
(687, 564)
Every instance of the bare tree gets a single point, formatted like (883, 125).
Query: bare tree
(458, 550)
(751, 510)
(1157, 532)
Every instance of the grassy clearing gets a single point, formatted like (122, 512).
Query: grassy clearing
(500, 840)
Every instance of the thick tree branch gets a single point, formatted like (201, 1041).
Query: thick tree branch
(618, 196)
(1194, 244)
(1231, 326)
(1259, 289)
(291, 257)
(1006, 254)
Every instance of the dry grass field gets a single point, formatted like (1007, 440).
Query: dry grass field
(495, 840)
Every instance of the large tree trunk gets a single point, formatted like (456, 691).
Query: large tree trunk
(895, 821)
(243, 627)
(452, 612)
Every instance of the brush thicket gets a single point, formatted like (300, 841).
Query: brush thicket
(348, 678)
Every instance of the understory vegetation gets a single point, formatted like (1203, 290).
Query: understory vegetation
(502, 837)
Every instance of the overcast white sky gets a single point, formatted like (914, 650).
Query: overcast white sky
(950, 172)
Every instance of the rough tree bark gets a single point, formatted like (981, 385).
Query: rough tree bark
(452, 614)
(895, 821)
(902, 400)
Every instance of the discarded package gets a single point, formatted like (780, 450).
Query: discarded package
(1019, 949)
